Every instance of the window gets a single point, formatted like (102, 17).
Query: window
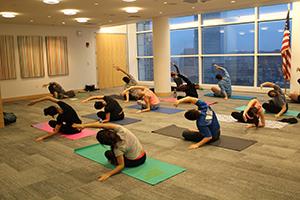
(144, 43)
(270, 36)
(231, 39)
(145, 68)
(183, 20)
(240, 68)
(269, 69)
(188, 66)
(228, 16)
(144, 26)
(184, 42)
(273, 12)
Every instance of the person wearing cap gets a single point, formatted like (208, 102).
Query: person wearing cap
(206, 122)
(278, 103)
(66, 117)
(112, 109)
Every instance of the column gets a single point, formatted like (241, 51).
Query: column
(161, 56)
(295, 47)
(1, 111)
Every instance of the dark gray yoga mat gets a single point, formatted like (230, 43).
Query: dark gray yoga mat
(125, 121)
(227, 142)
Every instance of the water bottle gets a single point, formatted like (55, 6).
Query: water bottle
(175, 93)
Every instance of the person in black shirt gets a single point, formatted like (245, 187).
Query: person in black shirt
(189, 88)
(112, 109)
(58, 92)
(176, 79)
(67, 116)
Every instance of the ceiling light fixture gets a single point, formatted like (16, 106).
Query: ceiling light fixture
(232, 1)
(70, 11)
(165, 2)
(51, 2)
(96, 3)
(8, 14)
(129, 0)
(63, 22)
(160, 12)
(193, 7)
(131, 9)
(82, 19)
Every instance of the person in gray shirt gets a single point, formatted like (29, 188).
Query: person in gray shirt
(224, 83)
(129, 81)
(126, 149)
(277, 104)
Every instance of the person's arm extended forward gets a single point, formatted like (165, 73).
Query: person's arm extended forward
(46, 98)
(123, 71)
(185, 79)
(92, 98)
(95, 125)
(267, 84)
(134, 88)
(55, 131)
(192, 100)
(201, 143)
(119, 168)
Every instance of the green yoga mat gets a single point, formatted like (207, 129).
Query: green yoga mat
(288, 113)
(152, 171)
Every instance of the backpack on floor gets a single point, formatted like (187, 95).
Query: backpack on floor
(9, 118)
(70, 93)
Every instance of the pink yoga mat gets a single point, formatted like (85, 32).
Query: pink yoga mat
(44, 126)
(173, 100)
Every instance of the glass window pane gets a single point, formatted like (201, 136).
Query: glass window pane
(145, 68)
(228, 16)
(240, 68)
(184, 42)
(188, 67)
(269, 69)
(185, 19)
(144, 44)
(273, 12)
(228, 39)
(144, 26)
(270, 36)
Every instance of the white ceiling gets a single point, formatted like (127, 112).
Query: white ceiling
(109, 12)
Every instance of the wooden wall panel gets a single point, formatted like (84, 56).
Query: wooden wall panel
(1, 112)
(111, 51)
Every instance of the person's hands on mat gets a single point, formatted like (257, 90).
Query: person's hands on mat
(194, 146)
(104, 177)
(277, 115)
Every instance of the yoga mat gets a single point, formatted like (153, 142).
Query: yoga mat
(44, 126)
(241, 97)
(160, 109)
(227, 142)
(117, 96)
(152, 171)
(269, 123)
(293, 113)
(125, 121)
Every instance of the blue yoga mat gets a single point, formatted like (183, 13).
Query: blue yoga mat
(293, 113)
(160, 109)
(152, 171)
(241, 97)
(125, 121)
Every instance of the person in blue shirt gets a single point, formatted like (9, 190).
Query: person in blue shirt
(224, 83)
(206, 121)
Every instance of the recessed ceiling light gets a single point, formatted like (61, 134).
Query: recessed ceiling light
(96, 3)
(8, 14)
(70, 11)
(129, 0)
(49, 16)
(193, 7)
(160, 12)
(51, 1)
(31, 20)
(131, 9)
(165, 2)
(232, 1)
(63, 22)
(82, 19)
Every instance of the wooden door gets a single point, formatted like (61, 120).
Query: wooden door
(1, 111)
(111, 51)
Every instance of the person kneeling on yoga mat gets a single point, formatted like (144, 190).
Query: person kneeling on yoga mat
(150, 100)
(112, 109)
(224, 83)
(277, 104)
(126, 149)
(206, 121)
(253, 114)
(67, 116)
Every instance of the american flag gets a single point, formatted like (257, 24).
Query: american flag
(286, 50)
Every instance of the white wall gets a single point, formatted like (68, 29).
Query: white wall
(295, 47)
(113, 29)
(82, 60)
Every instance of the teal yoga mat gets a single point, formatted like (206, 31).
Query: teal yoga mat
(241, 97)
(152, 171)
(288, 113)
